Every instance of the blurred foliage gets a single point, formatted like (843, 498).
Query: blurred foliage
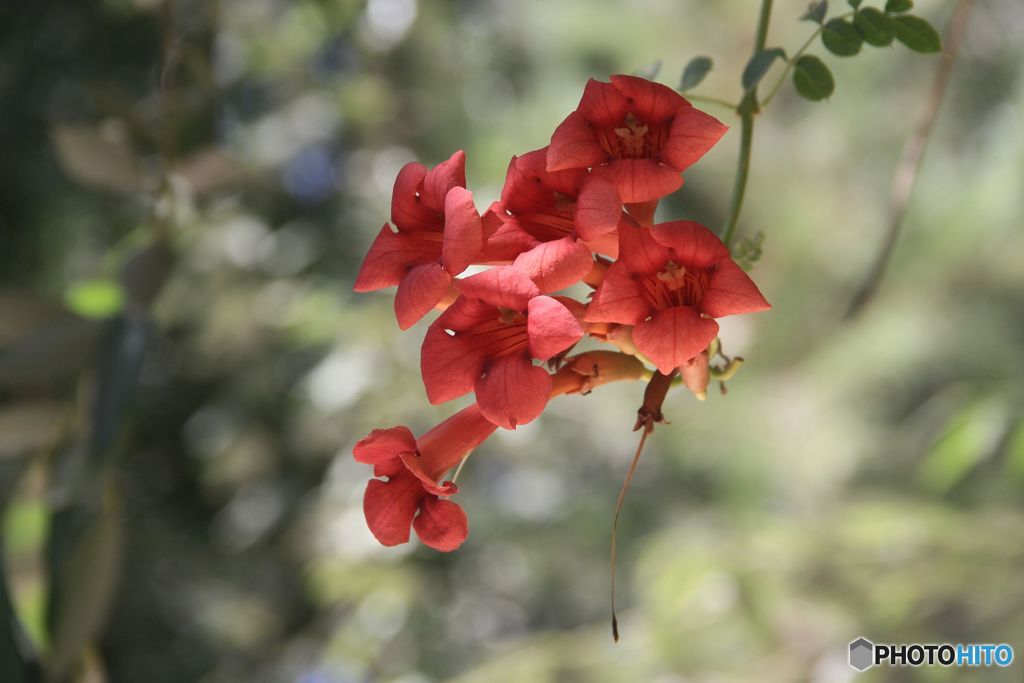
(186, 191)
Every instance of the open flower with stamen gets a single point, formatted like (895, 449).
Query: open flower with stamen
(411, 495)
(486, 343)
(638, 135)
(552, 222)
(437, 235)
(671, 281)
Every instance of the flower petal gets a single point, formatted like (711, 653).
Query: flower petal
(415, 465)
(508, 240)
(557, 264)
(552, 328)
(407, 209)
(390, 506)
(618, 299)
(441, 179)
(691, 244)
(574, 145)
(504, 287)
(692, 134)
(639, 252)
(463, 231)
(640, 180)
(441, 524)
(652, 103)
(450, 365)
(602, 104)
(598, 208)
(674, 336)
(419, 291)
(530, 187)
(513, 391)
(384, 445)
(731, 291)
(605, 244)
(389, 257)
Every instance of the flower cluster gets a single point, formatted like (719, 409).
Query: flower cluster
(575, 214)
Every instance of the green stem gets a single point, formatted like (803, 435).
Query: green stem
(710, 100)
(747, 109)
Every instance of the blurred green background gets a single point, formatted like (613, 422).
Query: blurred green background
(186, 191)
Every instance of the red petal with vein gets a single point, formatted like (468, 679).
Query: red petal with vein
(557, 264)
(574, 145)
(640, 252)
(504, 287)
(653, 103)
(605, 244)
(673, 336)
(419, 291)
(407, 209)
(441, 524)
(463, 232)
(450, 365)
(415, 465)
(598, 209)
(513, 391)
(508, 241)
(529, 186)
(731, 291)
(692, 134)
(442, 178)
(618, 299)
(384, 445)
(692, 244)
(388, 258)
(465, 314)
(390, 506)
(640, 180)
(602, 104)
(552, 328)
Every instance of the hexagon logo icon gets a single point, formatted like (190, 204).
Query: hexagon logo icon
(862, 653)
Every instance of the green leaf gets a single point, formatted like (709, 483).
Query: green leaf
(812, 78)
(15, 663)
(968, 439)
(898, 6)
(917, 34)
(758, 66)
(876, 27)
(816, 12)
(95, 298)
(855, 4)
(649, 71)
(841, 38)
(695, 72)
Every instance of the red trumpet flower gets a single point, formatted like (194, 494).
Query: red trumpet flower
(670, 282)
(437, 235)
(486, 342)
(551, 222)
(411, 494)
(636, 134)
